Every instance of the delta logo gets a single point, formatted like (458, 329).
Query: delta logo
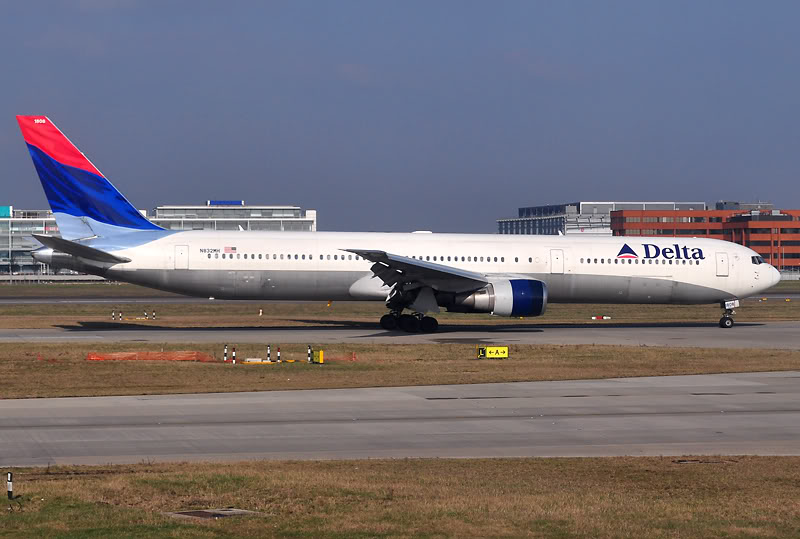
(674, 252)
(627, 252)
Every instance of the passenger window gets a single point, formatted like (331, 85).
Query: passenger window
(616, 261)
(274, 257)
(223, 255)
(304, 257)
(495, 259)
(595, 261)
(530, 259)
(502, 259)
(481, 259)
(349, 257)
(328, 257)
(649, 261)
(462, 258)
(434, 259)
(581, 261)
(602, 260)
(516, 259)
(336, 257)
(281, 257)
(209, 255)
(216, 255)
(259, 256)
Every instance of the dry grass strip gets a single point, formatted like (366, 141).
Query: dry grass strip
(58, 370)
(580, 497)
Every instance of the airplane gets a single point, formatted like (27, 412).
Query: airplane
(415, 274)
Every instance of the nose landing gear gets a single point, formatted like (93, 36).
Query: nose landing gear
(727, 317)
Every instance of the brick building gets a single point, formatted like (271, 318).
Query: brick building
(774, 234)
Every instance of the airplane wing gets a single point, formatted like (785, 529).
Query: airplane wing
(78, 249)
(393, 269)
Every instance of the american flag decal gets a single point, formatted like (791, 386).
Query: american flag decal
(230, 249)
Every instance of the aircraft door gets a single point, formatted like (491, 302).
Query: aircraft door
(181, 257)
(556, 261)
(722, 264)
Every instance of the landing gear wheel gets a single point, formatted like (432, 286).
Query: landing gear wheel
(389, 322)
(409, 323)
(726, 322)
(428, 324)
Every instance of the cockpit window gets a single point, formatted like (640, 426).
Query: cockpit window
(757, 260)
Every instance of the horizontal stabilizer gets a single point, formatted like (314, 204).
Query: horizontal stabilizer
(78, 249)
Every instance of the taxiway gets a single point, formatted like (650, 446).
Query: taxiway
(755, 413)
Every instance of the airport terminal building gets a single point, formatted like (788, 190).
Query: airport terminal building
(588, 218)
(16, 226)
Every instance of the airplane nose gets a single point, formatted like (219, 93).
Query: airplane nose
(776, 276)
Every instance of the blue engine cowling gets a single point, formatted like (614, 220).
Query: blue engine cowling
(505, 297)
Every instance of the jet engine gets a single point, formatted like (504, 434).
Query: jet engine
(502, 297)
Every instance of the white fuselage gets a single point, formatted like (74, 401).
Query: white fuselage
(314, 265)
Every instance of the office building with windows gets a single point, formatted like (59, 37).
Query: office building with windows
(587, 218)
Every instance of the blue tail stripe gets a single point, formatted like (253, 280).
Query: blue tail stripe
(81, 193)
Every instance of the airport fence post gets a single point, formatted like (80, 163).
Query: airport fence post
(234, 355)
(10, 486)
(268, 354)
(225, 354)
(309, 353)
(279, 354)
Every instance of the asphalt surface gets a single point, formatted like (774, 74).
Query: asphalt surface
(755, 413)
(784, 335)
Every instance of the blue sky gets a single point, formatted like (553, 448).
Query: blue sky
(410, 115)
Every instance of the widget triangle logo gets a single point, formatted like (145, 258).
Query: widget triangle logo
(627, 252)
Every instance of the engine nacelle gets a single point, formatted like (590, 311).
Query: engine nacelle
(503, 297)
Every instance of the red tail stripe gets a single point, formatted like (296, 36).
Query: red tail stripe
(39, 131)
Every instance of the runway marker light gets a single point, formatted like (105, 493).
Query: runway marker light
(145, 315)
(225, 354)
(234, 355)
(154, 314)
(269, 354)
(309, 353)
(113, 315)
(788, 299)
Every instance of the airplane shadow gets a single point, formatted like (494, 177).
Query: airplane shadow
(335, 325)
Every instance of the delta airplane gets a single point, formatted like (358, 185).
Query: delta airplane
(415, 274)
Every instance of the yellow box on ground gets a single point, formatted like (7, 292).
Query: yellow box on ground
(318, 357)
(492, 352)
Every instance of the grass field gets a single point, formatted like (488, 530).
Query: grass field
(579, 497)
(58, 370)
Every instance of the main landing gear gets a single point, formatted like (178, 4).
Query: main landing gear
(727, 317)
(410, 323)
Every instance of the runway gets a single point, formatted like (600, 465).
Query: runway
(784, 335)
(755, 413)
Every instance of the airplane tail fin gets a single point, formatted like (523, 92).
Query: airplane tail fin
(84, 202)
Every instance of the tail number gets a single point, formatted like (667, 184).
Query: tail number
(39, 121)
